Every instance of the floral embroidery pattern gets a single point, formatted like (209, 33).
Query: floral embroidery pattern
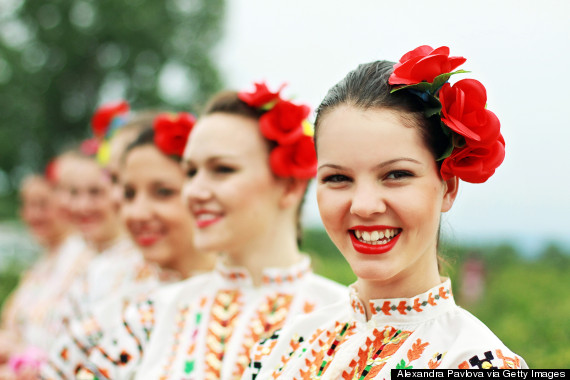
(270, 316)
(180, 322)
(508, 363)
(413, 353)
(435, 361)
(225, 309)
(377, 350)
(404, 307)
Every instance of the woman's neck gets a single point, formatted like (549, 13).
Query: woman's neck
(190, 261)
(52, 246)
(417, 279)
(277, 248)
(107, 241)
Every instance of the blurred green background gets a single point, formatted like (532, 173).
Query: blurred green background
(60, 59)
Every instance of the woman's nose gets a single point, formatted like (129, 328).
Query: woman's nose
(367, 200)
(137, 209)
(197, 188)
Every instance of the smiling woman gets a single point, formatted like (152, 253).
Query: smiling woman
(245, 206)
(393, 141)
(153, 209)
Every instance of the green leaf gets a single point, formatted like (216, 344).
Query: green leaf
(441, 79)
(401, 364)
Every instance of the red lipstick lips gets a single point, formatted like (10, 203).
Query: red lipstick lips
(373, 249)
(203, 223)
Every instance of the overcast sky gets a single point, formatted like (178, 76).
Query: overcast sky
(520, 50)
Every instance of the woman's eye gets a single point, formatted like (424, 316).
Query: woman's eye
(399, 174)
(335, 178)
(191, 172)
(222, 169)
(129, 194)
(164, 192)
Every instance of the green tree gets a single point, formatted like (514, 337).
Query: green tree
(60, 59)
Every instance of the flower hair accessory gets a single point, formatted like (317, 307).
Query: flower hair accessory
(108, 118)
(476, 147)
(89, 147)
(51, 172)
(171, 132)
(286, 124)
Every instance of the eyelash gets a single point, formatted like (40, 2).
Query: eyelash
(190, 173)
(335, 178)
(164, 192)
(129, 194)
(222, 169)
(394, 175)
(399, 174)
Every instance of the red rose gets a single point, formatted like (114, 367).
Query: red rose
(89, 147)
(424, 64)
(298, 160)
(261, 96)
(463, 110)
(474, 164)
(50, 172)
(171, 132)
(284, 122)
(103, 117)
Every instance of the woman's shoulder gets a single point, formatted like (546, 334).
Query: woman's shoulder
(323, 285)
(468, 343)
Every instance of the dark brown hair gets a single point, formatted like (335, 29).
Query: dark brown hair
(367, 87)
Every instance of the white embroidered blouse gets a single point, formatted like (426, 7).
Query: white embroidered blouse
(338, 342)
(33, 310)
(205, 327)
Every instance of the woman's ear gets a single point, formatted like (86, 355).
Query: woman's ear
(451, 186)
(294, 189)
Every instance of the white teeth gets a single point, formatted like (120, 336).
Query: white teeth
(205, 217)
(376, 237)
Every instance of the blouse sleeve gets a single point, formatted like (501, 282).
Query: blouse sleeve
(119, 352)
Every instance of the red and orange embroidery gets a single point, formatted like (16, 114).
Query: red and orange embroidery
(225, 309)
(270, 316)
(405, 306)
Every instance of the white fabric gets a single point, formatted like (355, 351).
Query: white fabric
(426, 331)
(205, 327)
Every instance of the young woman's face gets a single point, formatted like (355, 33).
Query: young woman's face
(40, 210)
(230, 188)
(380, 194)
(91, 207)
(153, 209)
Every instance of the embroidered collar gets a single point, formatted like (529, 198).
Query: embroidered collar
(271, 276)
(430, 304)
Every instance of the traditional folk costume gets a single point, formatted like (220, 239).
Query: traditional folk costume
(110, 271)
(205, 327)
(74, 345)
(422, 332)
(33, 308)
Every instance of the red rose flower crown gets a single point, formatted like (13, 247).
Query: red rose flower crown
(286, 124)
(476, 146)
(171, 132)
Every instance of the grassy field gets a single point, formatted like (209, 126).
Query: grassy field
(526, 303)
